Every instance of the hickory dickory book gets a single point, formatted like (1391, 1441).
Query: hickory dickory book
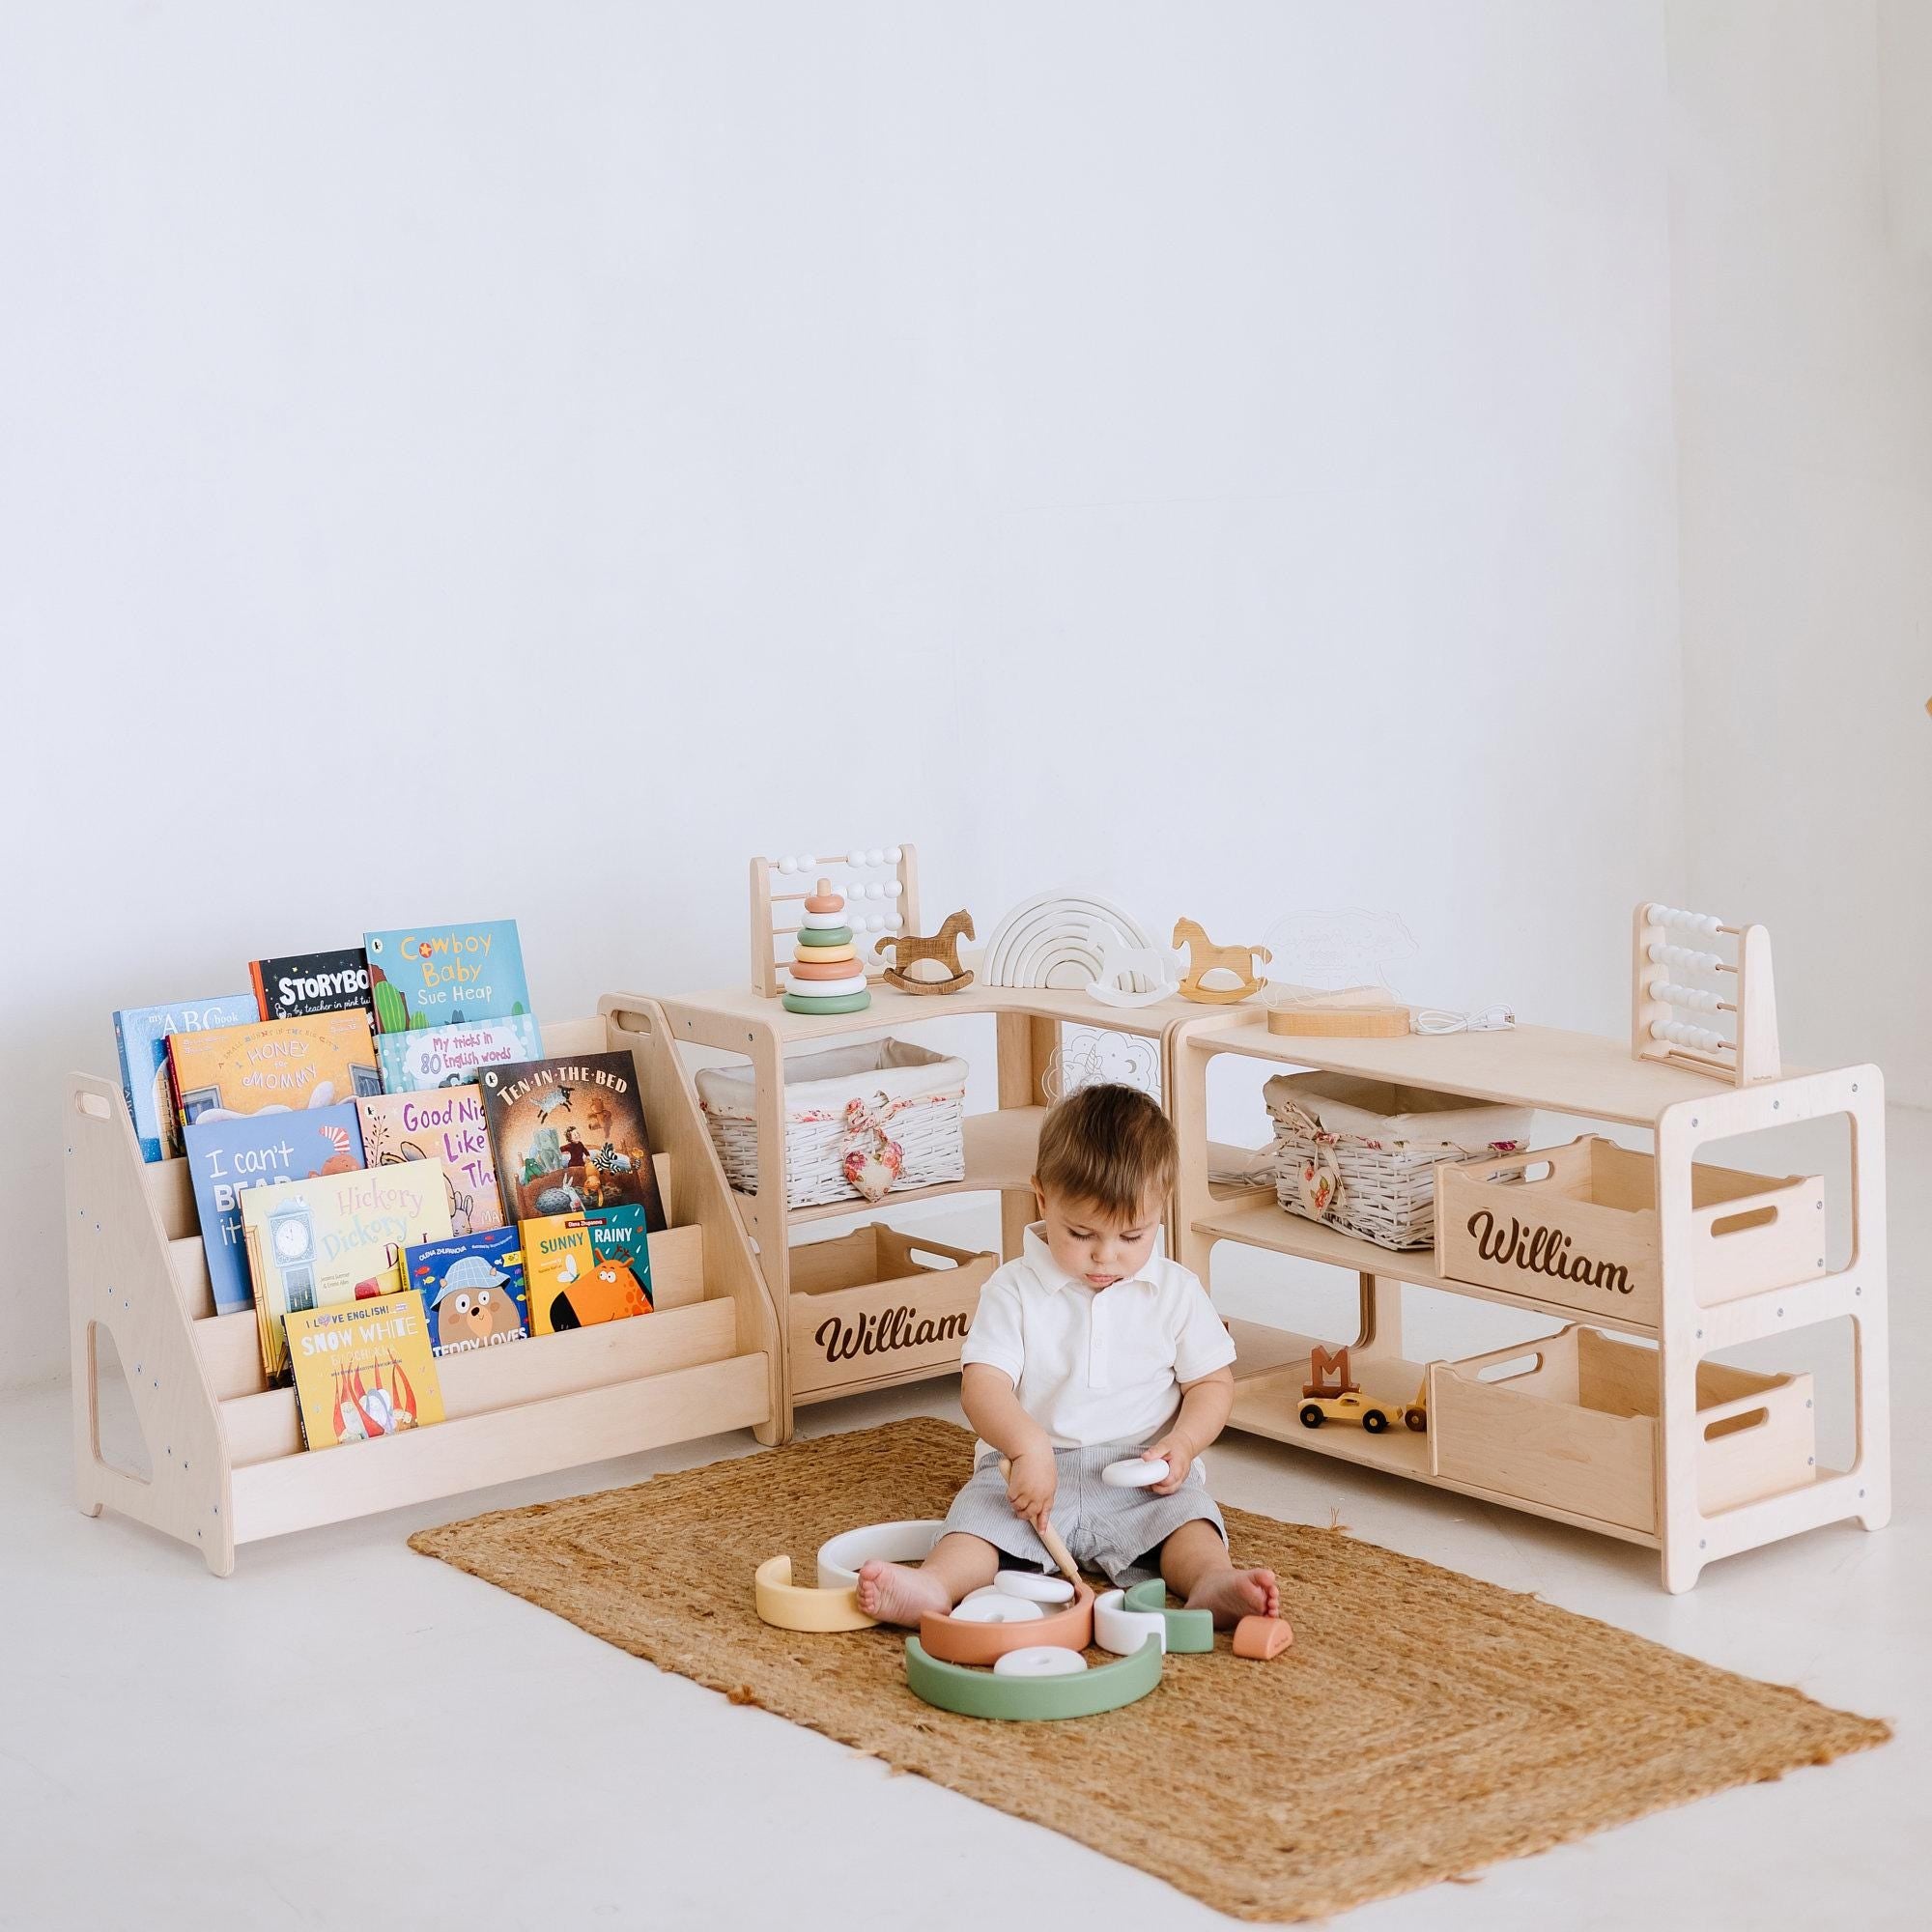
(141, 1039)
(454, 1055)
(311, 983)
(363, 1371)
(428, 976)
(569, 1134)
(581, 1269)
(226, 1157)
(339, 1237)
(473, 1285)
(446, 1124)
(273, 1066)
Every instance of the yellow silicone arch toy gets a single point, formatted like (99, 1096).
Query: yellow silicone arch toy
(792, 1606)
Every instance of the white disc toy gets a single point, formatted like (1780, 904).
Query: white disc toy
(1031, 1587)
(1131, 1473)
(1039, 1660)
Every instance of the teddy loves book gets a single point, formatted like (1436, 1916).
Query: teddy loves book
(473, 1285)
(444, 1123)
(363, 1371)
(225, 1157)
(568, 1134)
(273, 1066)
(141, 1037)
(453, 1056)
(336, 1239)
(428, 976)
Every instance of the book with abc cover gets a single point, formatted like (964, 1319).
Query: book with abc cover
(582, 1269)
(311, 983)
(429, 975)
(569, 1134)
(363, 1371)
(141, 1039)
(443, 1123)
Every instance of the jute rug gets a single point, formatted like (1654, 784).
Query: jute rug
(1422, 1726)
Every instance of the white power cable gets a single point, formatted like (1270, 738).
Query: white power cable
(1441, 1019)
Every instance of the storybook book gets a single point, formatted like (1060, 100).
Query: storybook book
(454, 1055)
(337, 1238)
(226, 1157)
(363, 1370)
(582, 1269)
(429, 975)
(473, 1285)
(569, 1133)
(312, 982)
(273, 1066)
(445, 1124)
(141, 1039)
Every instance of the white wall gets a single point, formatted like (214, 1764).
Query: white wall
(1223, 453)
(1802, 266)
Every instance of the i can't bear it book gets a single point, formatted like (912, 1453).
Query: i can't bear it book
(273, 1066)
(454, 1055)
(337, 1238)
(472, 1286)
(363, 1371)
(312, 982)
(582, 1269)
(226, 1157)
(445, 1125)
(569, 1134)
(141, 1039)
(430, 976)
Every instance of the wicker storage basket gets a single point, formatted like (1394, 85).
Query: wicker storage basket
(1361, 1154)
(840, 1101)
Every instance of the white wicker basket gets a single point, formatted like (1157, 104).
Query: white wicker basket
(1361, 1154)
(841, 1100)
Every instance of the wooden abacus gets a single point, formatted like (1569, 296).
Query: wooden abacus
(1694, 962)
(779, 886)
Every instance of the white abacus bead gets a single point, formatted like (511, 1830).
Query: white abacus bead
(788, 865)
(805, 861)
(855, 857)
(875, 891)
(1711, 922)
(1655, 912)
(893, 855)
(893, 921)
(892, 889)
(877, 924)
(875, 857)
(1659, 1029)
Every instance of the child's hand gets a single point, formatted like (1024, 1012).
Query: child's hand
(1177, 1453)
(1031, 1483)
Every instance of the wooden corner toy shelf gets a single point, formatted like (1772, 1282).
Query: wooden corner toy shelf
(228, 1465)
(1654, 1445)
(897, 1322)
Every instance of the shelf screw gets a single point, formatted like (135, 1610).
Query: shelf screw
(1780, 1315)
(1700, 1543)
(1862, 1494)
(1811, 1462)
(1700, 1334)
(1774, 1105)
(1808, 1402)
(1694, 1119)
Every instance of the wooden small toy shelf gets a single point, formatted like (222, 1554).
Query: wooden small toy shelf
(1705, 1460)
(228, 1465)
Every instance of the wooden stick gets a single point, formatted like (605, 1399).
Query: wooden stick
(1049, 1536)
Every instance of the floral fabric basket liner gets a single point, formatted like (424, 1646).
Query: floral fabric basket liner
(861, 1122)
(1361, 1154)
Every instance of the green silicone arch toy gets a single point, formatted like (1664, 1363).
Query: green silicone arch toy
(1187, 1631)
(983, 1693)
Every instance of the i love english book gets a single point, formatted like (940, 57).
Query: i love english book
(334, 1240)
(363, 1371)
(432, 976)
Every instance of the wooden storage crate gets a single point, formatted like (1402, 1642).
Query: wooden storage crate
(879, 1307)
(1570, 1423)
(1584, 1233)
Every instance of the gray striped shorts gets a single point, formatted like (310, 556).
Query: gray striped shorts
(1116, 1531)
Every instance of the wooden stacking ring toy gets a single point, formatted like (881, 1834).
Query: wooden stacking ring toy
(1262, 1637)
(1034, 1587)
(825, 935)
(825, 956)
(845, 1003)
(957, 1639)
(833, 969)
(826, 921)
(1189, 1630)
(1122, 1631)
(985, 1693)
(995, 1607)
(908, 1541)
(846, 982)
(788, 1605)
(824, 901)
(1133, 1473)
(1040, 1659)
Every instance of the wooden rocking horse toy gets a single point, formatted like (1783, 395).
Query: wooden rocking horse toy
(907, 950)
(1203, 956)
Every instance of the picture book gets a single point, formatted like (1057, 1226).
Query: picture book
(311, 983)
(581, 1269)
(363, 1370)
(429, 975)
(225, 1157)
(453, 1056)
(337, 1238)
(473, 1290)
(568, 1134)
(446, 1124)
(273, 1066)
(141, 1036)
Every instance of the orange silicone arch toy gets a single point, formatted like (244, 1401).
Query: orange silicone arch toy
(957, 1641)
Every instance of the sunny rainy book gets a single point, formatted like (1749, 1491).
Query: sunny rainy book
(427, 976)
(141, 1039)
(445, 1124)
(363, 1371)
(584, 1269)
(227, 1157)
(569, 1133)
(336, 1239)
(453, 1056)
(473, 1285)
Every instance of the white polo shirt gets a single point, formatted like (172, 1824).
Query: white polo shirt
(1097, 1365)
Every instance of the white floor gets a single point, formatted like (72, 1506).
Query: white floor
(344, 1733)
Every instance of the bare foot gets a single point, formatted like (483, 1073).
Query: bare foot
(896, 1594)
(1233, 1593)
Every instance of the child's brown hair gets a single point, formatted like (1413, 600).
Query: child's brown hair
(1110, 1147)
